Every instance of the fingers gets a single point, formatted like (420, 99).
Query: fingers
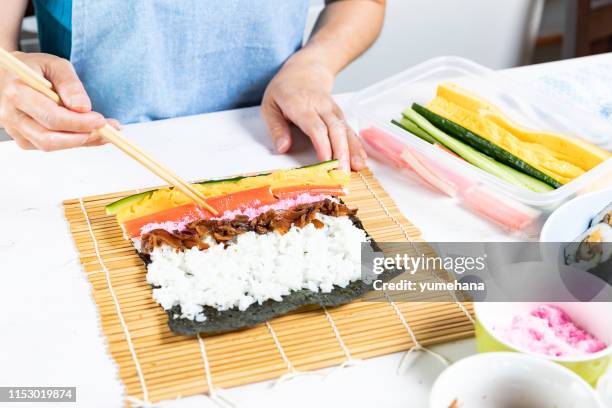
(95, 143)
(19, 140)
(114, 123)
(310, 107)
(67, 84)
(278, 127)
(337, 131)
(328, 131)
(54, 117)
(358, 153)
(346, 146)
(97, 140)
(24, 144)
(354, 155)
(314, 127)
(34, 121)
(48, 140)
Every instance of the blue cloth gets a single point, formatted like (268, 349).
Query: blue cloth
(145, 60)
(54, 19)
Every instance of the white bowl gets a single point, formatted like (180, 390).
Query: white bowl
(604, 388)
(571, 220)
(493, 380)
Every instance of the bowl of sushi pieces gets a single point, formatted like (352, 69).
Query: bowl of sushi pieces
(511, 380)
(579, 234)
(576, 335)
(576, 217)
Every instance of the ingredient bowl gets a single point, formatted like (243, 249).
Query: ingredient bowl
(496, 380)
(592, 317)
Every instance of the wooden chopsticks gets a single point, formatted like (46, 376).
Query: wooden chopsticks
(37, 82)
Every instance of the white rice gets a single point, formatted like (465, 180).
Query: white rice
(255, 267)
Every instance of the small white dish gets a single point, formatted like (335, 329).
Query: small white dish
(493, 380)
(570, 221)
(604, 388)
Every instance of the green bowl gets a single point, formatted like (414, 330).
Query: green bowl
(590, 367)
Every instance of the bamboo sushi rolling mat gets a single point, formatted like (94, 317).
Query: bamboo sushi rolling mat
(155, 364)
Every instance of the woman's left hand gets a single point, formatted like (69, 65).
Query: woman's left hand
(300, 94)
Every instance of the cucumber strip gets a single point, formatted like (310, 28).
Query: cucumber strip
(326, 165)
(483, 145)
(477, 158)
(528, 181)
(115, 206)
(228, 180)
(411, 127)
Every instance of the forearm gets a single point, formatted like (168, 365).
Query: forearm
(344, 30)
(12, 12)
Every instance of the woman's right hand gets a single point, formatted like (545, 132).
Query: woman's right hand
(35, 121)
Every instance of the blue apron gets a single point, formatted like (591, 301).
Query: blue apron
(144, 60)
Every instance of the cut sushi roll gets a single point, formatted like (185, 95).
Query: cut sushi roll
(604, 217)
(592, 249)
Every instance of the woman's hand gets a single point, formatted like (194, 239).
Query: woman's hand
(300, 94)
(36, 122)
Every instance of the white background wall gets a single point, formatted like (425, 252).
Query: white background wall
(496, 33)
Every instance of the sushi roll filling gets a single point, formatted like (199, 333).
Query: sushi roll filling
(225, 230)
(233, 264)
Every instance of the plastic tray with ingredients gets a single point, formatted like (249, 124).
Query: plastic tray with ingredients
(511, 206)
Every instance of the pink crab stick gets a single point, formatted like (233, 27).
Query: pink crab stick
(401, 156)
(503, 211)
(420, 167)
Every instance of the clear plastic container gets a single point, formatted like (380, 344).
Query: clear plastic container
(508, 205)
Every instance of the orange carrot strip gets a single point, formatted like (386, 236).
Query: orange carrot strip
(230, 202)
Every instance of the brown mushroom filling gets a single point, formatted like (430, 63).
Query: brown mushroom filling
(226, 230)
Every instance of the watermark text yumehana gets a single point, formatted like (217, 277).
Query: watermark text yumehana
(422, 287)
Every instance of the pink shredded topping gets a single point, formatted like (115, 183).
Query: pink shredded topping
(251, 212)
(549, 330)
(285, 204)
(168, 225)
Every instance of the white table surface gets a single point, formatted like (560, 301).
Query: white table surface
(49, 333)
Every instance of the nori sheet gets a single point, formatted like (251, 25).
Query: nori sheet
(234, 319)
